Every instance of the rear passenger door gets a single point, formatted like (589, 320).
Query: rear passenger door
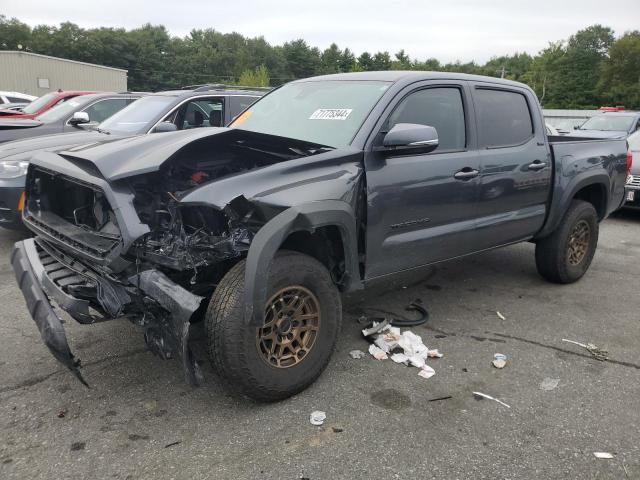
(422, 207)
(515, 165)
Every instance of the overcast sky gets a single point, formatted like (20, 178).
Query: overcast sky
(447, 30)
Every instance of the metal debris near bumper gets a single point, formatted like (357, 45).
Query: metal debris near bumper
(181, 305)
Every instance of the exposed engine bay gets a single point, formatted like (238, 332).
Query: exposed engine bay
(186, 236)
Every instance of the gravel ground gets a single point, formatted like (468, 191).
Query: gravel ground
(140, 420)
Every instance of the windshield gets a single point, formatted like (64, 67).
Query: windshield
(38, 103)
(608, 123)
(324, 112)
(137, 117)
(60, 111)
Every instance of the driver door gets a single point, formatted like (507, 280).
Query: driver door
(422, 207)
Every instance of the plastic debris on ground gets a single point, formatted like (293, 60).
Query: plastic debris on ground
(480, 395)
(597, 353)
(549, 384)
(317, 417)
(603, 455)
(499, 360)
(357, 354)
(375, 328)
(402, 347)
(500, 316)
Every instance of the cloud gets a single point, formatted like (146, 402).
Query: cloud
(462, 30)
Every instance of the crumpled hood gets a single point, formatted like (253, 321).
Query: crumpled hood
(10, 124)
(23, 149)
(598, 133)
(146, 153)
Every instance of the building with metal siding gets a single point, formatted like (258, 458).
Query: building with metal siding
(38, 74)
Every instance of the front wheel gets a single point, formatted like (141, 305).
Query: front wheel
(565, 255)
(292, 347)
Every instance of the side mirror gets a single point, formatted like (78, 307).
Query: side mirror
(411, 138)
(576, 127)
(165, 127)
(79, 117)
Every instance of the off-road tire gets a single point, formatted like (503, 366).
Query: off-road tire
(552, 252)
(231, 342)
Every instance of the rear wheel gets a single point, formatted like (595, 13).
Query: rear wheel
(566, 254)
(292, 347)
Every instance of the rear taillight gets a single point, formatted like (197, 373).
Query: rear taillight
(629, 161)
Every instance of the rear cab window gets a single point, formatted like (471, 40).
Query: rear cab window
(503, 117)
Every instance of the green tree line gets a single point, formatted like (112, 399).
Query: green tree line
(591, 68)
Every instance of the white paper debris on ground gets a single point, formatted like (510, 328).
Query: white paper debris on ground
(400, 358)
(426, 372)
(500, 316)
(317, 417)
(489, 397)
(402, 347)
(357, 354)
(377, 353)
(549, 384)
(604, 455)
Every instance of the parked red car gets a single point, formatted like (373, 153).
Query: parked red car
(42, 104)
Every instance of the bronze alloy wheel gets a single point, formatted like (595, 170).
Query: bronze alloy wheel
(291, 326)
(579, 242)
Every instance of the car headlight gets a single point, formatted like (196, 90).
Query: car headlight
(13, 168)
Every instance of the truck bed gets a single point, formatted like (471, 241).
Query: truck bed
(575, 161)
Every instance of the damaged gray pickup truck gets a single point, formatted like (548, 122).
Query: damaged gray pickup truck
(321, 187)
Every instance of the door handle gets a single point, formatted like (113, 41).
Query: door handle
(537, 165)
(466, 173)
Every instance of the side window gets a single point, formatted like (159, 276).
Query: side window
(17, 100)
(202, 112)
(103, 109)
(239, 104)
(503, 118)
(439, 107)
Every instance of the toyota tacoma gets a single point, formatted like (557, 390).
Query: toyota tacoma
(321, 187)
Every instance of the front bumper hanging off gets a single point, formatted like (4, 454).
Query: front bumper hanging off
(29, 274)
(42, 276)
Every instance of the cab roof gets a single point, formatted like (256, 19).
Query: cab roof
(409, 76)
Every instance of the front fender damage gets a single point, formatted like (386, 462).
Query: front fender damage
(304, 217)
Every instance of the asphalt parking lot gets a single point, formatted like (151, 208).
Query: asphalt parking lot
(140, 420)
